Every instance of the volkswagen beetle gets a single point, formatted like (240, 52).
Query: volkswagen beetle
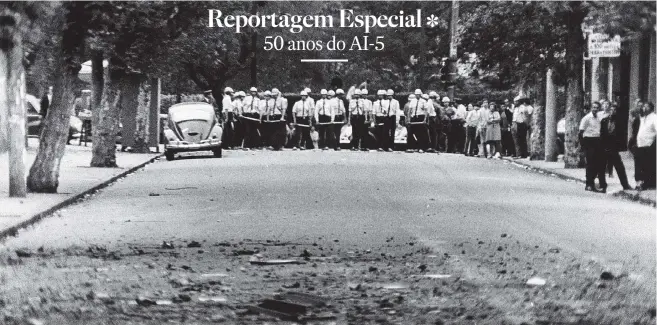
(192, 127)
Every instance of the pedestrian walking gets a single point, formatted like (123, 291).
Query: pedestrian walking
(471, 121)
(493, 132)
(484, 115)
(338, 118)
(228, 112)
(589, 133)
(323, 113)
(612, 143)
(302, 113)
(506, 123)
(251, 116)
(635, 116)
(646, 142)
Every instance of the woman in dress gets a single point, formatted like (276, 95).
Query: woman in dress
(494, 132)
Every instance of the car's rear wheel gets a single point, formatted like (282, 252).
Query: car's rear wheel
(217, 152)
(169, 155)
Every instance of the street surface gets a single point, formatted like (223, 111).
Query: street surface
(392, 238)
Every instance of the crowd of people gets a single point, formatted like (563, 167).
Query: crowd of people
(431, 123)
(601, 140)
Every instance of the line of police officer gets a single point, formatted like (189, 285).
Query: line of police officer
(258, 122)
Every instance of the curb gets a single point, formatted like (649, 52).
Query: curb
(13, 230)
(621, 194)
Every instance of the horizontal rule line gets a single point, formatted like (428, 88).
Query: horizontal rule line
(324, 60)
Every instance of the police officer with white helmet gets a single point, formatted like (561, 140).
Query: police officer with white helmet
(302, 113)
(323, 115)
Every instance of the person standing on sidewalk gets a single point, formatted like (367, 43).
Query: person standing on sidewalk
(635, 116)
(612, 143)
(589, 135)
(228, 111)
(519, 128)
(393, 118)
(645, 142)
(338, 118)
(471, 121)
(493, 132)
(357, 121)
(484, 115)
(301, 113)
(323, 119)
(508, 148)
(240, 129)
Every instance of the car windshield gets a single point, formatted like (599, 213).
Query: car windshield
(195, 111)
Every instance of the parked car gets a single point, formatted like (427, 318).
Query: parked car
(34, 118)
(192, 127)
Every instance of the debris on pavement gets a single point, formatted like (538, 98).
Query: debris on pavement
(437, 276)
(257, 260)
(194, 244)
(294, 306)
(167, 245)
(606, 275)
(536, 281)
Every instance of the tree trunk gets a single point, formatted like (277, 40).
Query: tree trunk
(44, 174)
(106, 121)
(538, 122)
(12, 97)
(142, 119)
(97, 76)
(575, 45)
(551, 148)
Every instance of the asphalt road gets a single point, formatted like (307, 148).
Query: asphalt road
(496, 224)
(356, 197)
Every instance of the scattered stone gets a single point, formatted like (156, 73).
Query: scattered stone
(243, 252)
(422, 267)
(372, 269)
(214, 275)
(167, 245)
(163, 302)
(23, 253)
(394, 286)
(503, 235)
(437, 276)
(580, 312)
(292, 286)
(501, 271)
(153, 194)
(536, 281)
(652, 312)
(554, 250)
(481, 242)
(212, 299)
(185, 298)
(34, 321)
(500, 248)
(606, 275)
(145, 302)
(194, 244)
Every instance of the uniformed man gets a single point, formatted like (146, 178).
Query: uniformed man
(228, 113)
(339, 93)
(266, 105)
(370, 127)
(418, 114)
(238, 107)
(251, 118)
(380, 109)
(302, 113)
(434, 122)
(338, 118)
(357, 120)
(278, 129)
(309, 92)
(323, 114)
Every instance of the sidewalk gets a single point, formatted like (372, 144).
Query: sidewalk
(76, 180)
(579, 175)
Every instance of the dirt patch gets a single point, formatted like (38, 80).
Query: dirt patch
(482, 281)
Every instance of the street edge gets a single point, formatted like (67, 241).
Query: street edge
(620, 194)
(13, 230)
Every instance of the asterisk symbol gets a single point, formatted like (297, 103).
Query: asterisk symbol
(432, 21)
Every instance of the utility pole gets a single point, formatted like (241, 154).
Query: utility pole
(12, 98)
(451, 62)
(254, 48)
(551, 151)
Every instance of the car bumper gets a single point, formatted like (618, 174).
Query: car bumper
(203, 146)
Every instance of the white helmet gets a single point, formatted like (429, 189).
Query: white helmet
(425, 96)
(331, 93)
(411, 96)
(390, 92)
(241, 94)
(323, 92)
(275, 91)
(418, 92)
(304, 93)
(446, 99)
(228, 90)
(253, 89)
(380, 92)
(357, 92)
(267, 93)
(433, 94)
(339, 91)
(307, 90)
(364, 92)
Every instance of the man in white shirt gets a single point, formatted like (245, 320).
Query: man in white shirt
(276, 120)
(484, 115)
(357, 111)
(434, 122)
(266, 106)
(228, 113)
(302, 113)
(380, 108)
(239, 127)
(471, 123)
(645, 151)
(458, 126)
(418, 114)
(251, 118)
(338, 118)
(520, 127)
(589, 136)
(323, 116)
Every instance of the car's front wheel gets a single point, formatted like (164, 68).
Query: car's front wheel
(169, 155)
(217, 152)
